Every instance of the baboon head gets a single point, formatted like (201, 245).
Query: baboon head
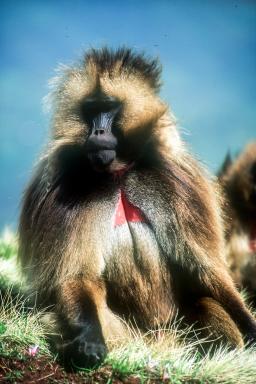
(109, 106)
(239, 180)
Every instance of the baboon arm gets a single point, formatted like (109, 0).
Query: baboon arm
(223, 290)
(77, 312)
(213, 322)
(82, 305)
(214, 281)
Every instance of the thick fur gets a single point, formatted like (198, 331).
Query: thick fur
(92, 272)
(238, 179)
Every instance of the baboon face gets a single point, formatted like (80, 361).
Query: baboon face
(108, 146)
(101, 114)
(110, 107)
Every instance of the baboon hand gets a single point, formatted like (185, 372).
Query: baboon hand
(84, 353)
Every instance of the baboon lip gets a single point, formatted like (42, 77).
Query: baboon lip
(95, 146)
(102, 158)
(102, 152)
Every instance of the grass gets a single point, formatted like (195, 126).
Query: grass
(161, 356)
(9, 274)
(183, 364)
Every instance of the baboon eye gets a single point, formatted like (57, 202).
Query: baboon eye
(91, 107)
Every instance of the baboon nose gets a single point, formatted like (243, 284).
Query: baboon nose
(99, 132)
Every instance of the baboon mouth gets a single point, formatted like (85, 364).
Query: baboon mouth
(102, 158)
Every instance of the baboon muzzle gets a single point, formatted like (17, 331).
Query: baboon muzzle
(101, 144)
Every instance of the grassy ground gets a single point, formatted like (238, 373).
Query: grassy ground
(159, 357)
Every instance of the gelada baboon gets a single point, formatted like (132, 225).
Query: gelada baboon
(119, 220)
(238, 179)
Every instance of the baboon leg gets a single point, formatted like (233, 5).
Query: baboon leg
(82, 314)
(214, 324)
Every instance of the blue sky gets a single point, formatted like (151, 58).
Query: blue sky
(208, 52)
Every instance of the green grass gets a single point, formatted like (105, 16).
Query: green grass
(8, 245)
(182, 363)
(19, 328)
(162, 355)
(9, 273)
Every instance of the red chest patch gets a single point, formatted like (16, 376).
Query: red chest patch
(127, 212)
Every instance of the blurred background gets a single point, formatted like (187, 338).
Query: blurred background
(208, 53)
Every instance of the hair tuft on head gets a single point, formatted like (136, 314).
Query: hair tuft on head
(107, 59)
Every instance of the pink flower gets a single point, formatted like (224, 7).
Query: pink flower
(32, 351)
(166, 375)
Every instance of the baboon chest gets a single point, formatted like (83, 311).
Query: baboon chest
(132, 242)
(135, 273)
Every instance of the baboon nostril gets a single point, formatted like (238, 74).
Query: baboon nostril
(99, 132)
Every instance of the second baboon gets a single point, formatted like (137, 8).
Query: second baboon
(119, 220)
(238, 178)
